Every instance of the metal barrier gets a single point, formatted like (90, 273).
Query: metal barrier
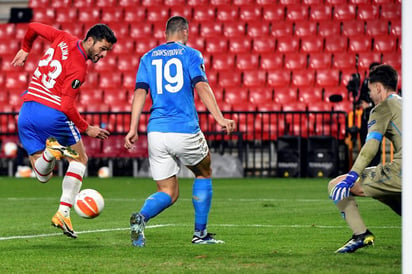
(254, 142)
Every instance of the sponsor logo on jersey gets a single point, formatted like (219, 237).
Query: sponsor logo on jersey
(76, 84)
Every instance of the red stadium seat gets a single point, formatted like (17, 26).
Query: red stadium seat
(336, 44)
(367, 12)
(287, 44)
(295, 60)
(257, 28)
(174, 3)
(273, 12)
(282, 28)
(320, 12)
(92, 80)
(80, 4)
(128, 3)
(303, 78)
(226, 13)
(279, 78)
(319, 60)
(306, 28)
(384, 44)
(229, 78)
(135, 14)
(296, 12)
(152, 3)
(344, 12)
(396, 27)
(311, 44)
(270, 61)
(195, 3)
(110, 79)
(310, 94)
(366, 58)
(247, 61)
(126, 47)
(38, 3)
(119, 28)
(204, 13)
(392, 58)
(312, 2)
(240, 45)
(353, 28)
(220, 2)
(329, 28)
(234, 95)
(223, 61)
(377, 27)
(106, 3)
(129, 80)
(327, 77)
(234, 29)
(391, 11)
(359, 44)
(261, 95)
(112, 14)
(263, 45)
(144, 31)
(16, 81)
(145, 44)
(108, 63)
(60, 3)
(182, 10)
(216, 46)
(44, 15)
(356, 2)
(254, 78)
(88, 15)
(250, 13)
(285, 95)
(75, 29)
(344, 60)
(210, 29)
(342, 91)
(7, 31)
(156, 14)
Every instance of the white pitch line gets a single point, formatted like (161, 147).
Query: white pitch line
(168, 225)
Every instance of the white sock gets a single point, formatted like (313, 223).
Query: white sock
(72, 183)
(43, 166)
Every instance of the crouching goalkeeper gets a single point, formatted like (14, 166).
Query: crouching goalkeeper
(381, 182)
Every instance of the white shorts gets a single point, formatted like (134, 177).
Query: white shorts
(167, 150)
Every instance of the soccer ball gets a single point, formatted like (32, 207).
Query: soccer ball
(103, 172)
(89, 203)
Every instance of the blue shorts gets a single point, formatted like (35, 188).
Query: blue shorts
(38, 122)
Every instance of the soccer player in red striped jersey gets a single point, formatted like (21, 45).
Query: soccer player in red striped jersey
(49, 124)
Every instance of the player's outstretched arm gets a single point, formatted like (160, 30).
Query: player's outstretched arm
(206, 95)
(139, 99)
(20, 58)
(97, 132)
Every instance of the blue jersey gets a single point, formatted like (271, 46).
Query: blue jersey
(170, 71)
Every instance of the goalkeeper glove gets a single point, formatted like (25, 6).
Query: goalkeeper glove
(342, 189)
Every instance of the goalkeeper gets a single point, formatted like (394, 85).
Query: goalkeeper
(381, 182)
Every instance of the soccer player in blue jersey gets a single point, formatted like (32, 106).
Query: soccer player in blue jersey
(170, 72)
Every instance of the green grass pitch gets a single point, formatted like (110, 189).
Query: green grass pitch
(269, 226)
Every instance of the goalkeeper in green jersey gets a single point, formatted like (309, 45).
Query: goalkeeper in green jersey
(381, 182)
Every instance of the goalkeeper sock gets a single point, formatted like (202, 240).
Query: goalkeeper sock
(350, 213)
(202, 200)
(43, 166)
(72, 182)
(154, 204)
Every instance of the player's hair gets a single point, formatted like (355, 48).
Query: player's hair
(176, 23)
(101, 31)
(386, 75)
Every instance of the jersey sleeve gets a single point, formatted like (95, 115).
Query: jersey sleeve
(70, 92)
(197, 68)
(142, 76)
(37, 29)
(377, 125)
